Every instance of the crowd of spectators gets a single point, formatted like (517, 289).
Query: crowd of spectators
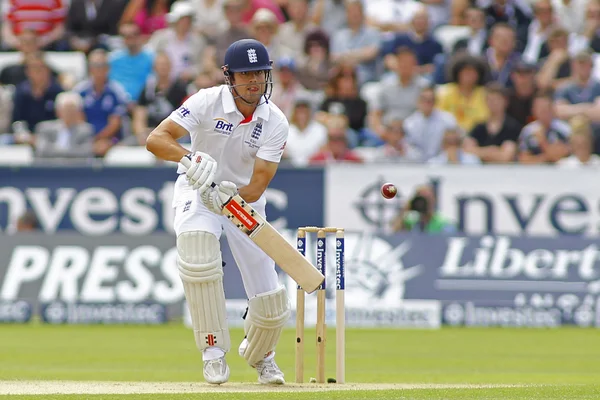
(430, 81)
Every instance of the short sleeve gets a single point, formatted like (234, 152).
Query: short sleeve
(273, 148)
(188, 115)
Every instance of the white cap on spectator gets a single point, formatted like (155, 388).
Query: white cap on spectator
(180, 9)
(264, 15)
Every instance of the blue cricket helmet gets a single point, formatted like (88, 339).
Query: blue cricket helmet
(247, 55)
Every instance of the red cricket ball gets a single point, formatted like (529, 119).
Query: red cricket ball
(388, 190)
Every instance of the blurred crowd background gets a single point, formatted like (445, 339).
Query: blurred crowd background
(430, 81)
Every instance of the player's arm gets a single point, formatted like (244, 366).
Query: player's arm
(263, 173)
(162, 141)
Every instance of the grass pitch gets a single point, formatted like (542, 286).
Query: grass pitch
(451, 363)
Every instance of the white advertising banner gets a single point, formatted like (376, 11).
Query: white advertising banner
(508, 200)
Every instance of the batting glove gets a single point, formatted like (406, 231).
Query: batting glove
(202, 170)
(216, 197)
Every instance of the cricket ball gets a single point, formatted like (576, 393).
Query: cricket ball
(388, 190)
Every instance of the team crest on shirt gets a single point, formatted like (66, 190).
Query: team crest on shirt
(254, 136)
(223, 126)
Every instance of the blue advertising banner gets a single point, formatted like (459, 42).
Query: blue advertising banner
(134, 201)
(404, 280)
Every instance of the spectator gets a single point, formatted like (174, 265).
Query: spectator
(419, 214)
(571, 14)
(45, 17)
(589, 35)
(556, 67)
(307, 136)
(345, 99)
(184, 47)
(287, 88)
(452, 151)
(390, 15)
(538, 31)
(34, 98)
(251, 7)
(294, 32)
(477, 42)
(520, 98)
(398, 93)
(464, 96)
(581, 95)
(425, 128)
(14, 74)
(329, 15)
(336, 149)
(264, 27)
(131, 66)
(210, 19)
(162, 94)
(515, 14)
(313, 71)
(396, 148)
(105, 102)
(90, 22)
(69, 135)
(204, 80)
(501, 55)
(358, 44)
(417, 38)
(545, 139)
(495, 140)
(581, 145)
(236, 30)
(148, 15)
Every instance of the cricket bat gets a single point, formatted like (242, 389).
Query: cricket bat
(261, 232)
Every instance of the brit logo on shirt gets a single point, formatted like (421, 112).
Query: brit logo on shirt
(183, 111)
(256, 132)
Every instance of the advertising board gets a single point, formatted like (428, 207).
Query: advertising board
(500, 200)
(134, 201)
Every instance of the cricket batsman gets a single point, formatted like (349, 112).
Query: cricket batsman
(238, 137)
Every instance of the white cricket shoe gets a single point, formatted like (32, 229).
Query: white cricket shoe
(269, 373)
(216, 371)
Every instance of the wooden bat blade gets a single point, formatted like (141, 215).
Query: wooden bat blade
(289, 259)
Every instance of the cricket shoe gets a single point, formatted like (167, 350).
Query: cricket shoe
(268, 372)
(216, 371)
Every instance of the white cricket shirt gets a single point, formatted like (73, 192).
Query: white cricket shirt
(217, 128)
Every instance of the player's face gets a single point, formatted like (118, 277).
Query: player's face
(250, 85)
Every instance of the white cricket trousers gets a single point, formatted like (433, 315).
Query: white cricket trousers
(256, 268)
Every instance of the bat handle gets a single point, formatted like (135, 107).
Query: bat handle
(188, 163)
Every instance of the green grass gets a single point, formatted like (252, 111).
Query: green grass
(566, 358)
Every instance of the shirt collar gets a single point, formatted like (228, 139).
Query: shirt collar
(262, 111)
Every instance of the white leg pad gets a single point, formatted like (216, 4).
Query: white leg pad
(267, 315)
(201, 271)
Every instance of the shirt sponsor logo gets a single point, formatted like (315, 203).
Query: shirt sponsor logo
(223, 126)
